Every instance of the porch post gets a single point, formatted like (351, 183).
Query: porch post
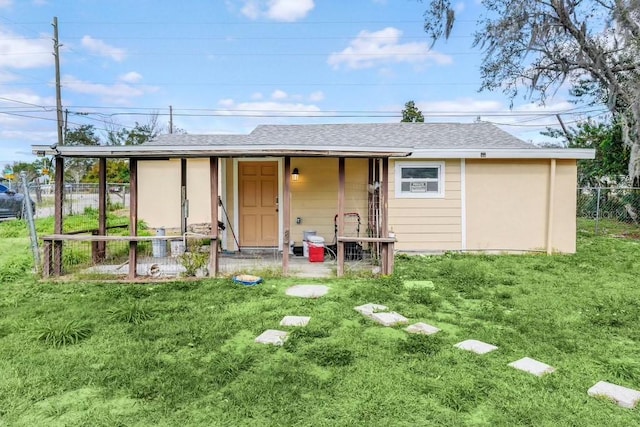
(384, 214)
(102, 208)
(286, 220)
(213, 247)
(133, 216)
(183, 196)
(341, 181)
(58, 215)
(552, 195)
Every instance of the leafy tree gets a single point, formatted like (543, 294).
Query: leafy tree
(117, 172)
(139, 134)
(535, 46)
(612, 156)
(82, 135)
(31, 169)
(411, 113)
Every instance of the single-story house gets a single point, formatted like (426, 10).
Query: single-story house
(452, 186)
(423, 187)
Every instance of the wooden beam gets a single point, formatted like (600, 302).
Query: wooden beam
(102, 208)
(341, 184)
(384, 217)
(46, 265)
(213, 248)
(58, 214)
(133, 216)
(286, 212)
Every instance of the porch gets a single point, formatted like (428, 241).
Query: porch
(137, 262)
(163, 262)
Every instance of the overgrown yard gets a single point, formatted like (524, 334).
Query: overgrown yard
(183, 353)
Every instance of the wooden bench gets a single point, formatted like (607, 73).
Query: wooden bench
(48, 268)
(386, 250)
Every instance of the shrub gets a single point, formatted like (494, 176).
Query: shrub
(193, 261)
(68, 333)
(131, 313)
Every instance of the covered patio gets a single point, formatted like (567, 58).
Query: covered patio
(378, 159)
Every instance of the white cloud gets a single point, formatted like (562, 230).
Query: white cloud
(370, 49)
(460, 7)
(131, 77)
(100, 48)
(316, 96)
(289, 10)
(6, 3)
(257, 96)
(120, 93)
(269, 107)
(279, 94)
(20, 53)
(25, 99)
(277, 10)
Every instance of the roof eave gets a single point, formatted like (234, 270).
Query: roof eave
(505, 153)
(144, 151)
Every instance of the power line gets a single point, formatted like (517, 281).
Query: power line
(22, 102)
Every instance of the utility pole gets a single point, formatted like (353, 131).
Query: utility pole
(56, 54)
(59, 165)
(170, 119)
(564, 129)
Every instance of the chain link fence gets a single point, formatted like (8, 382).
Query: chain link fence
(77, 198)
(607, 208)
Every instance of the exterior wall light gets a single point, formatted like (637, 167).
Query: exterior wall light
(295, 175)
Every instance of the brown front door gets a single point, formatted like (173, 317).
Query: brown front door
(258, 198)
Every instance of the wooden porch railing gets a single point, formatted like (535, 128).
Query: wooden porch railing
(49, 241)
(386, 251)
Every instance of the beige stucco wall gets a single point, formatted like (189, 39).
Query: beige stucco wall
(198, 194)
(507, 205)
(432, 224)
(159, 192)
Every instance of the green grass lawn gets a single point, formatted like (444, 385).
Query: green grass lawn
(182, 353)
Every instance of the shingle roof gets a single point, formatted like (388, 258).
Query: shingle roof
(197, 140)
(410, 136)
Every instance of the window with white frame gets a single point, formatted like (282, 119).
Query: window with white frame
(420, 179)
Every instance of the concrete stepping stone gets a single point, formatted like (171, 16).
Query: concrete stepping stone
(422, 328)
(476, 346)
(532, 366)
(389, 319)
(307, 291)
(369, 309)
(273, 337)
(295, 321)
(623, 396)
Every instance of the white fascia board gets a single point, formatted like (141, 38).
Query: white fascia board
(502, 153)
(194, 150)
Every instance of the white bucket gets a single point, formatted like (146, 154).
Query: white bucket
(159, 247)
